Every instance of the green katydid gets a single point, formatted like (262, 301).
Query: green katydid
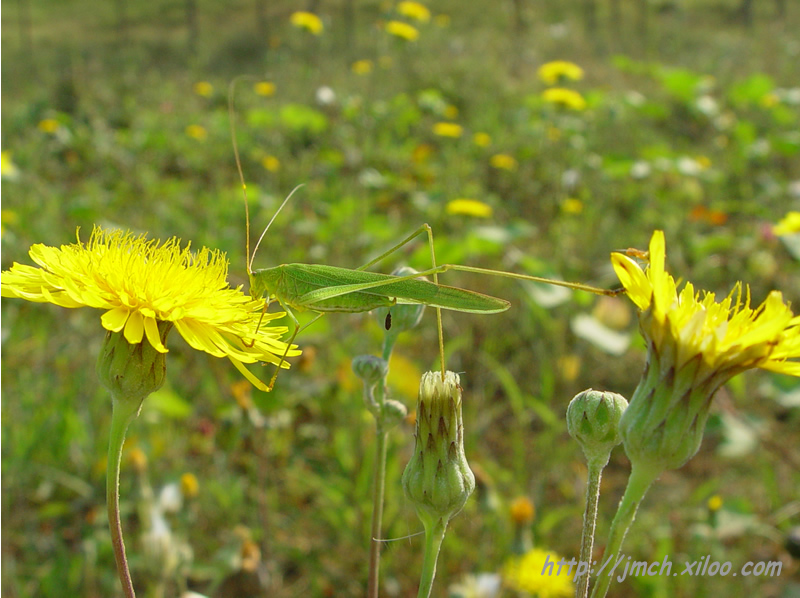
(323, 288)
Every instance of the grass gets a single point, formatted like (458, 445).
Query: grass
(296, 471)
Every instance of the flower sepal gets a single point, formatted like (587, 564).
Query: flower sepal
(132, 372)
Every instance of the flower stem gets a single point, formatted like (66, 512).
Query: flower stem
(121, 416)
(380, 479)
(434, 535)
(377, 510)
(638, 484)
(589, 522)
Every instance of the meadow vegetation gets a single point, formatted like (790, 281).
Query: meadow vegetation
(684, 118)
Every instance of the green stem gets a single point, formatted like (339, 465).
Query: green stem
(589, 522)
(638, 484)
(377, 511)
(121, 416)
(434, 534)
(380, 479)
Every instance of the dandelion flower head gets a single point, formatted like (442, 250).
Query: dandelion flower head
(537, 573)
(552, 72)
(729, 335)
(414, 10)
(139, 283)
(567, 98)
(402, 30)
(307, 20)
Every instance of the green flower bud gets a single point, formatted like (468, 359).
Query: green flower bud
(438, 479)
(399, 318)
(370, 369)
(131, 372)
(593, 420)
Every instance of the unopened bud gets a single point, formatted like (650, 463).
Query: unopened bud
(438, 479)
(370, 369)
(593, 420)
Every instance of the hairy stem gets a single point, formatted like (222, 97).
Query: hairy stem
(121, 416)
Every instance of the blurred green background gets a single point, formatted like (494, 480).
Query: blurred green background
(116, 114)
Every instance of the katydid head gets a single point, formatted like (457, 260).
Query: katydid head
(264, 283)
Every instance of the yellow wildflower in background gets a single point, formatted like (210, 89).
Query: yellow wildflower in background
(306, 20)
(203, 88)
(532, 573)
(190, 486)
(572, 206)
(469, 207)
(402, 30)
(271, 163)
(482, 139)
(197, 132)
(8, 170)
(362, 67)
(789, 225)
(139, 283)
(443, 129)
(503, 162)
(567, 98)
(414, 10)
(49, 125)
(551, 73)
(264, 88)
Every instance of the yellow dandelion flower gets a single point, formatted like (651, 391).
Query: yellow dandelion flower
(572, 206)
(538, 573)
(49, 125)
(197, 132)
(789, 225)
(414, 10)
(469, 207)
(551, 73)
(8, 170)
(566, 98)
(443, 129)
(271, 163)
(714, 503)
(203, 88)
(139, 283)
(503, 162)
(190, 486)
(695, 344)
(264, 88)
(307, 20)
(402, 30)
(450, 112)
(362, 67)
(482, 139)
